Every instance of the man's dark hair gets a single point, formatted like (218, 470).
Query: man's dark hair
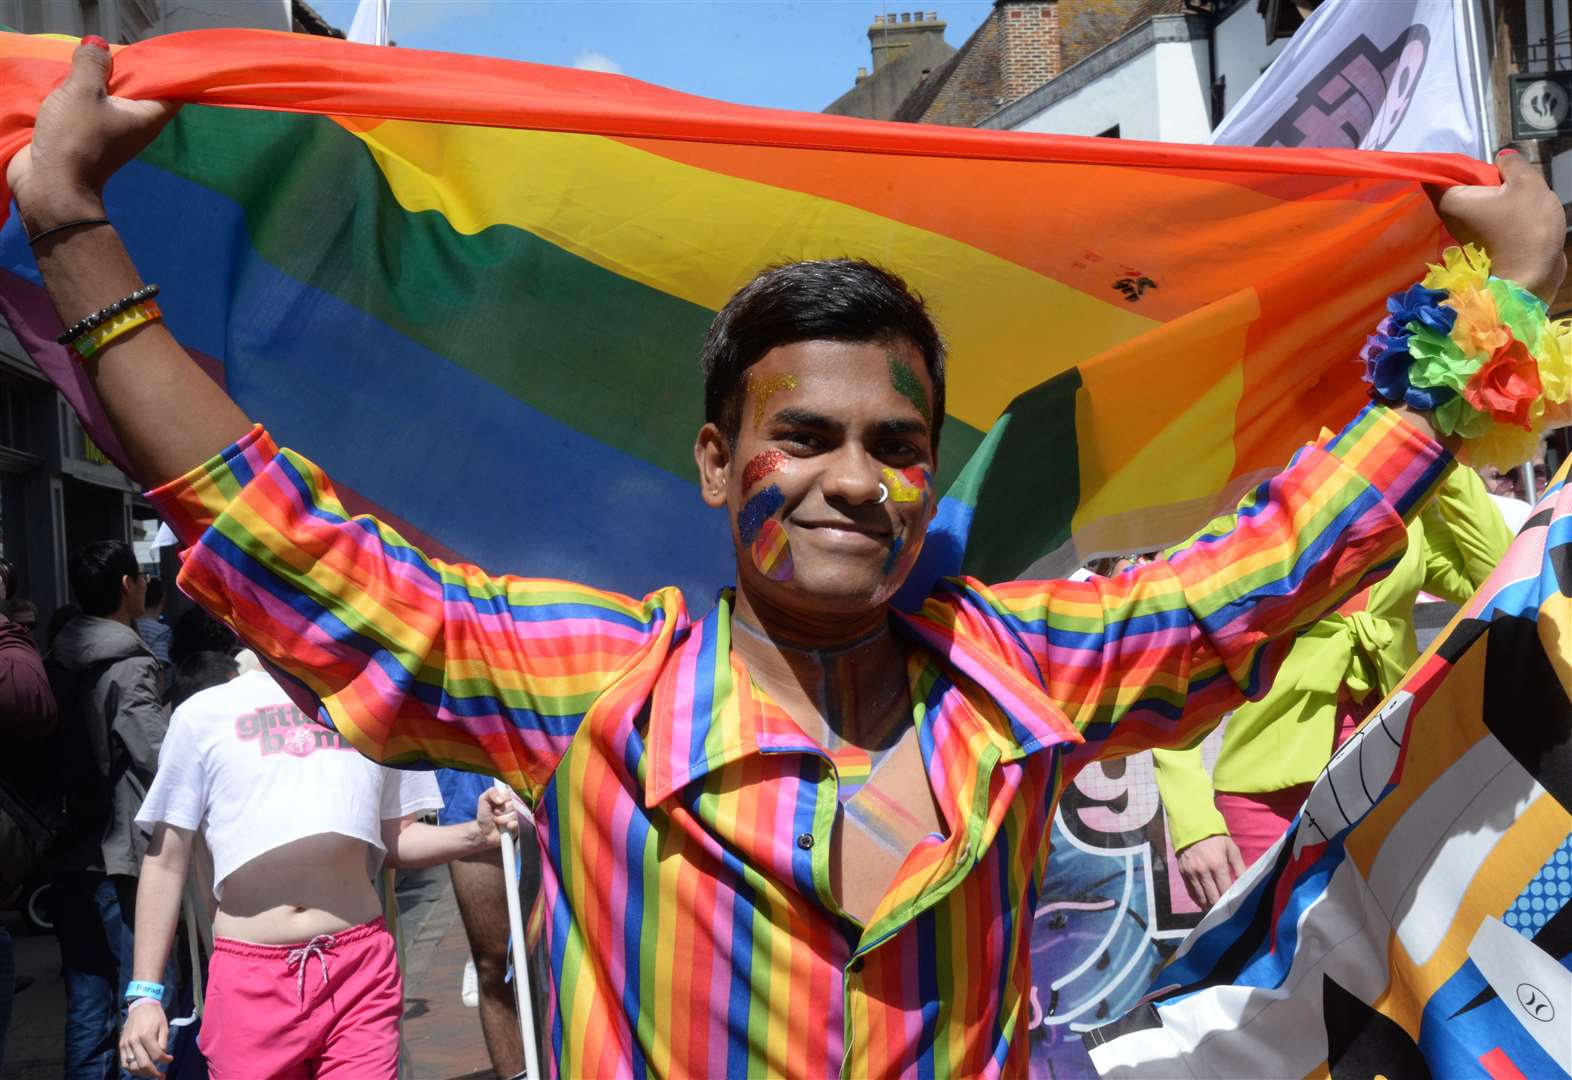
(96, 572)
(824, 300)
(155, 592)
(200, 671)
(196, 631)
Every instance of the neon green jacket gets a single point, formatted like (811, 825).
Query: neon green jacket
(1285, 739)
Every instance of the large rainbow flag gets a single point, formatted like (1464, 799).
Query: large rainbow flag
(1416, 920)
(474, 290)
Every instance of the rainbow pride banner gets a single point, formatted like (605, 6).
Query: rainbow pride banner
(474, 290)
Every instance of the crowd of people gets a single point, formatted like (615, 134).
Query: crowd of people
(150, 752)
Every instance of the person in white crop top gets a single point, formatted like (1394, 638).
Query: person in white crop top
(304, 978)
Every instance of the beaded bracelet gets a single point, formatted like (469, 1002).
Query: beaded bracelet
(77, 329)
(1475, 351)
(102, 334)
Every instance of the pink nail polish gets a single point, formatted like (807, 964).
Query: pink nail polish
(96, 42)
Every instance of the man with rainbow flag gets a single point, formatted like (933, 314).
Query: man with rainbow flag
(802, 834)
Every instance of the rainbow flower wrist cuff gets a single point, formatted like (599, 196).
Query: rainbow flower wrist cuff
(1476, 352)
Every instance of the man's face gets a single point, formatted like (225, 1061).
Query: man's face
(830, 484)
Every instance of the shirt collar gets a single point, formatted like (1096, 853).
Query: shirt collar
(704, 714)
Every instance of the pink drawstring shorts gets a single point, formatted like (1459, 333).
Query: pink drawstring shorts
(326, 1008)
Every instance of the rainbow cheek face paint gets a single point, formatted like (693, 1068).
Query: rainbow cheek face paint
(906, 485)
(757, 525)
(771, 461)
(757, 510)
(772, 551)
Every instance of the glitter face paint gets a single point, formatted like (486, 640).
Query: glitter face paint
(906, 485)
(906, 384)
(910, 485)
(764, 389)
(757, 510)
(772, 551)
(771, 461)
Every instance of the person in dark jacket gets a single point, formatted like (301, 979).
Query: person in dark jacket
(27, 715)
(107, 683)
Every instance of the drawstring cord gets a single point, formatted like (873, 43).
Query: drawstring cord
(301, 959)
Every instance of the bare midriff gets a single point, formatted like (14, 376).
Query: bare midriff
(315, 885)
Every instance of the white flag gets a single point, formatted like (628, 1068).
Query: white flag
(371, 23)
(1372, 75)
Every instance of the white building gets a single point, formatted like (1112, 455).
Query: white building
(1168, 79)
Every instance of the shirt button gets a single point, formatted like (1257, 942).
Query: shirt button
(805, 840)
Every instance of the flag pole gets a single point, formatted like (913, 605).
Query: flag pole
(1481, 78)
(521, 987)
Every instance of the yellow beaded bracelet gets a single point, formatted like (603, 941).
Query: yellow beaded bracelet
(121, 323)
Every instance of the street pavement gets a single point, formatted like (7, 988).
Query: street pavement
(442, 1039)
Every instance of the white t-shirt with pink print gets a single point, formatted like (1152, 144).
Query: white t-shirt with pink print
(246, 767)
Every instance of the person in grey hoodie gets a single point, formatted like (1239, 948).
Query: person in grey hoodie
(112, 722)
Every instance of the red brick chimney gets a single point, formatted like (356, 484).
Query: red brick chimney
(1030, 45)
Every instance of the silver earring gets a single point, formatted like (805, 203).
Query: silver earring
(884, 494)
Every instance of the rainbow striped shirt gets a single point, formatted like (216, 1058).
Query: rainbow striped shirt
(686, 907)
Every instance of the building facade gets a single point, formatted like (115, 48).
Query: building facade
(1169, 70)
(1169, 76)
(906, 47)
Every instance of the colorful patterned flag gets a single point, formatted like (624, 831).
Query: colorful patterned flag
(1415, 920)
(474, 291)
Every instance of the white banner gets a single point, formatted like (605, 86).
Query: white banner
(1372, 75)
(371, 23)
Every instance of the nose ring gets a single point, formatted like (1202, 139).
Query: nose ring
(884, 495)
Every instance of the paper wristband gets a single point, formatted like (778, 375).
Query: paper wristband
(143, 989)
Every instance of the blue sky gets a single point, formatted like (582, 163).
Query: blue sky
(800, 55)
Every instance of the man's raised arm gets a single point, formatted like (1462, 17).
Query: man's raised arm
(1154, 656)
(409, 657)
(82, 136)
